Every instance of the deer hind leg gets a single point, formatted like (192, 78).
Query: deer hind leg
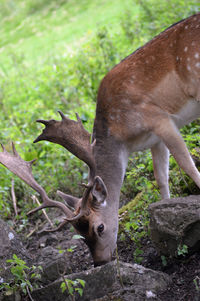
(170, 135)
(160, 156)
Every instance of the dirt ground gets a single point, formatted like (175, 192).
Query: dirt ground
(185, 271)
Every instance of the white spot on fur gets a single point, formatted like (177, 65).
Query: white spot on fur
(177, 58)
(196, 55)
(186, 27)
(197, 65)
(126, 101)
(186, 49)
(10, 235)
(188, 68)
(188, 59)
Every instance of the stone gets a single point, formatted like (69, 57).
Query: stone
(113, 281)
(10, 244)
(175, 223)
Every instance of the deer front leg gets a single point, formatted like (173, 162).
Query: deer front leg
(169, 133)
(160, 156)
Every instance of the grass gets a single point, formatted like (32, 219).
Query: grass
(55, 29)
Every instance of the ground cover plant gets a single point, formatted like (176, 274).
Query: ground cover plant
(52, 57)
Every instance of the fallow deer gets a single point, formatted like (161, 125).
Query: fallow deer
(142, 102)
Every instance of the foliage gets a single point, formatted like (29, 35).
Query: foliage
(73, 286)
(22, 276)
(164, 260)
(182, 250)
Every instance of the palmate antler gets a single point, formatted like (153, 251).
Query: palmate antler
(70, 134)
(23, 170)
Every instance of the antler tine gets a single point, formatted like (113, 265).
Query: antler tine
(45, 122)
(71, 135)
(23, 170)
(65, 221)
(84, 209)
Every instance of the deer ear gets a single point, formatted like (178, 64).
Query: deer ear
(70, 200)
(99, 190)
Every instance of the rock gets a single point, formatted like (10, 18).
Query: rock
(122, 281)
(53, 264)
(9, 244)
(175, 223)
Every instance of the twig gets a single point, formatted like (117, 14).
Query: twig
(32, 231)
(118, 269)
(14, 197)
(183, 178)
(62, 275)
(34, 198)
(29, 294)
(64, 280)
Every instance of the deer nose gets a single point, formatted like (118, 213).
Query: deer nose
(103, 257)
(99, 263)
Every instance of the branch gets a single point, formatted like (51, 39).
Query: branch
(34, 198)
(14, 197)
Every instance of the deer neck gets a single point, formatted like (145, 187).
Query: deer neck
(111, 159)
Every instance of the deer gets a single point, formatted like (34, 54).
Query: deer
(141, 104)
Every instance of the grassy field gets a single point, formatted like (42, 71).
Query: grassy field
(57, 28)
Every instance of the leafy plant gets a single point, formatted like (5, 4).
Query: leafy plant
(73, 286)
(23, 276)
(182, 250)
(164, 260)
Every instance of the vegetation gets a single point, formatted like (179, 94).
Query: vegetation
(22, 277)
(52, 57)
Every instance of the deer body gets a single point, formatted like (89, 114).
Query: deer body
(142, 102)
(153, 92)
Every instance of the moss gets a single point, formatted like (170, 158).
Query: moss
(124, 211)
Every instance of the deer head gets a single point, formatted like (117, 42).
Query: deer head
(86, 217)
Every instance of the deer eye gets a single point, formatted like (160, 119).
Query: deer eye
(100, 228)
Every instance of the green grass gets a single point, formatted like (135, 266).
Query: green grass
(55, 30)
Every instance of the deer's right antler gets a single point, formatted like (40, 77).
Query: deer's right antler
(23, 170)
(72, 135)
